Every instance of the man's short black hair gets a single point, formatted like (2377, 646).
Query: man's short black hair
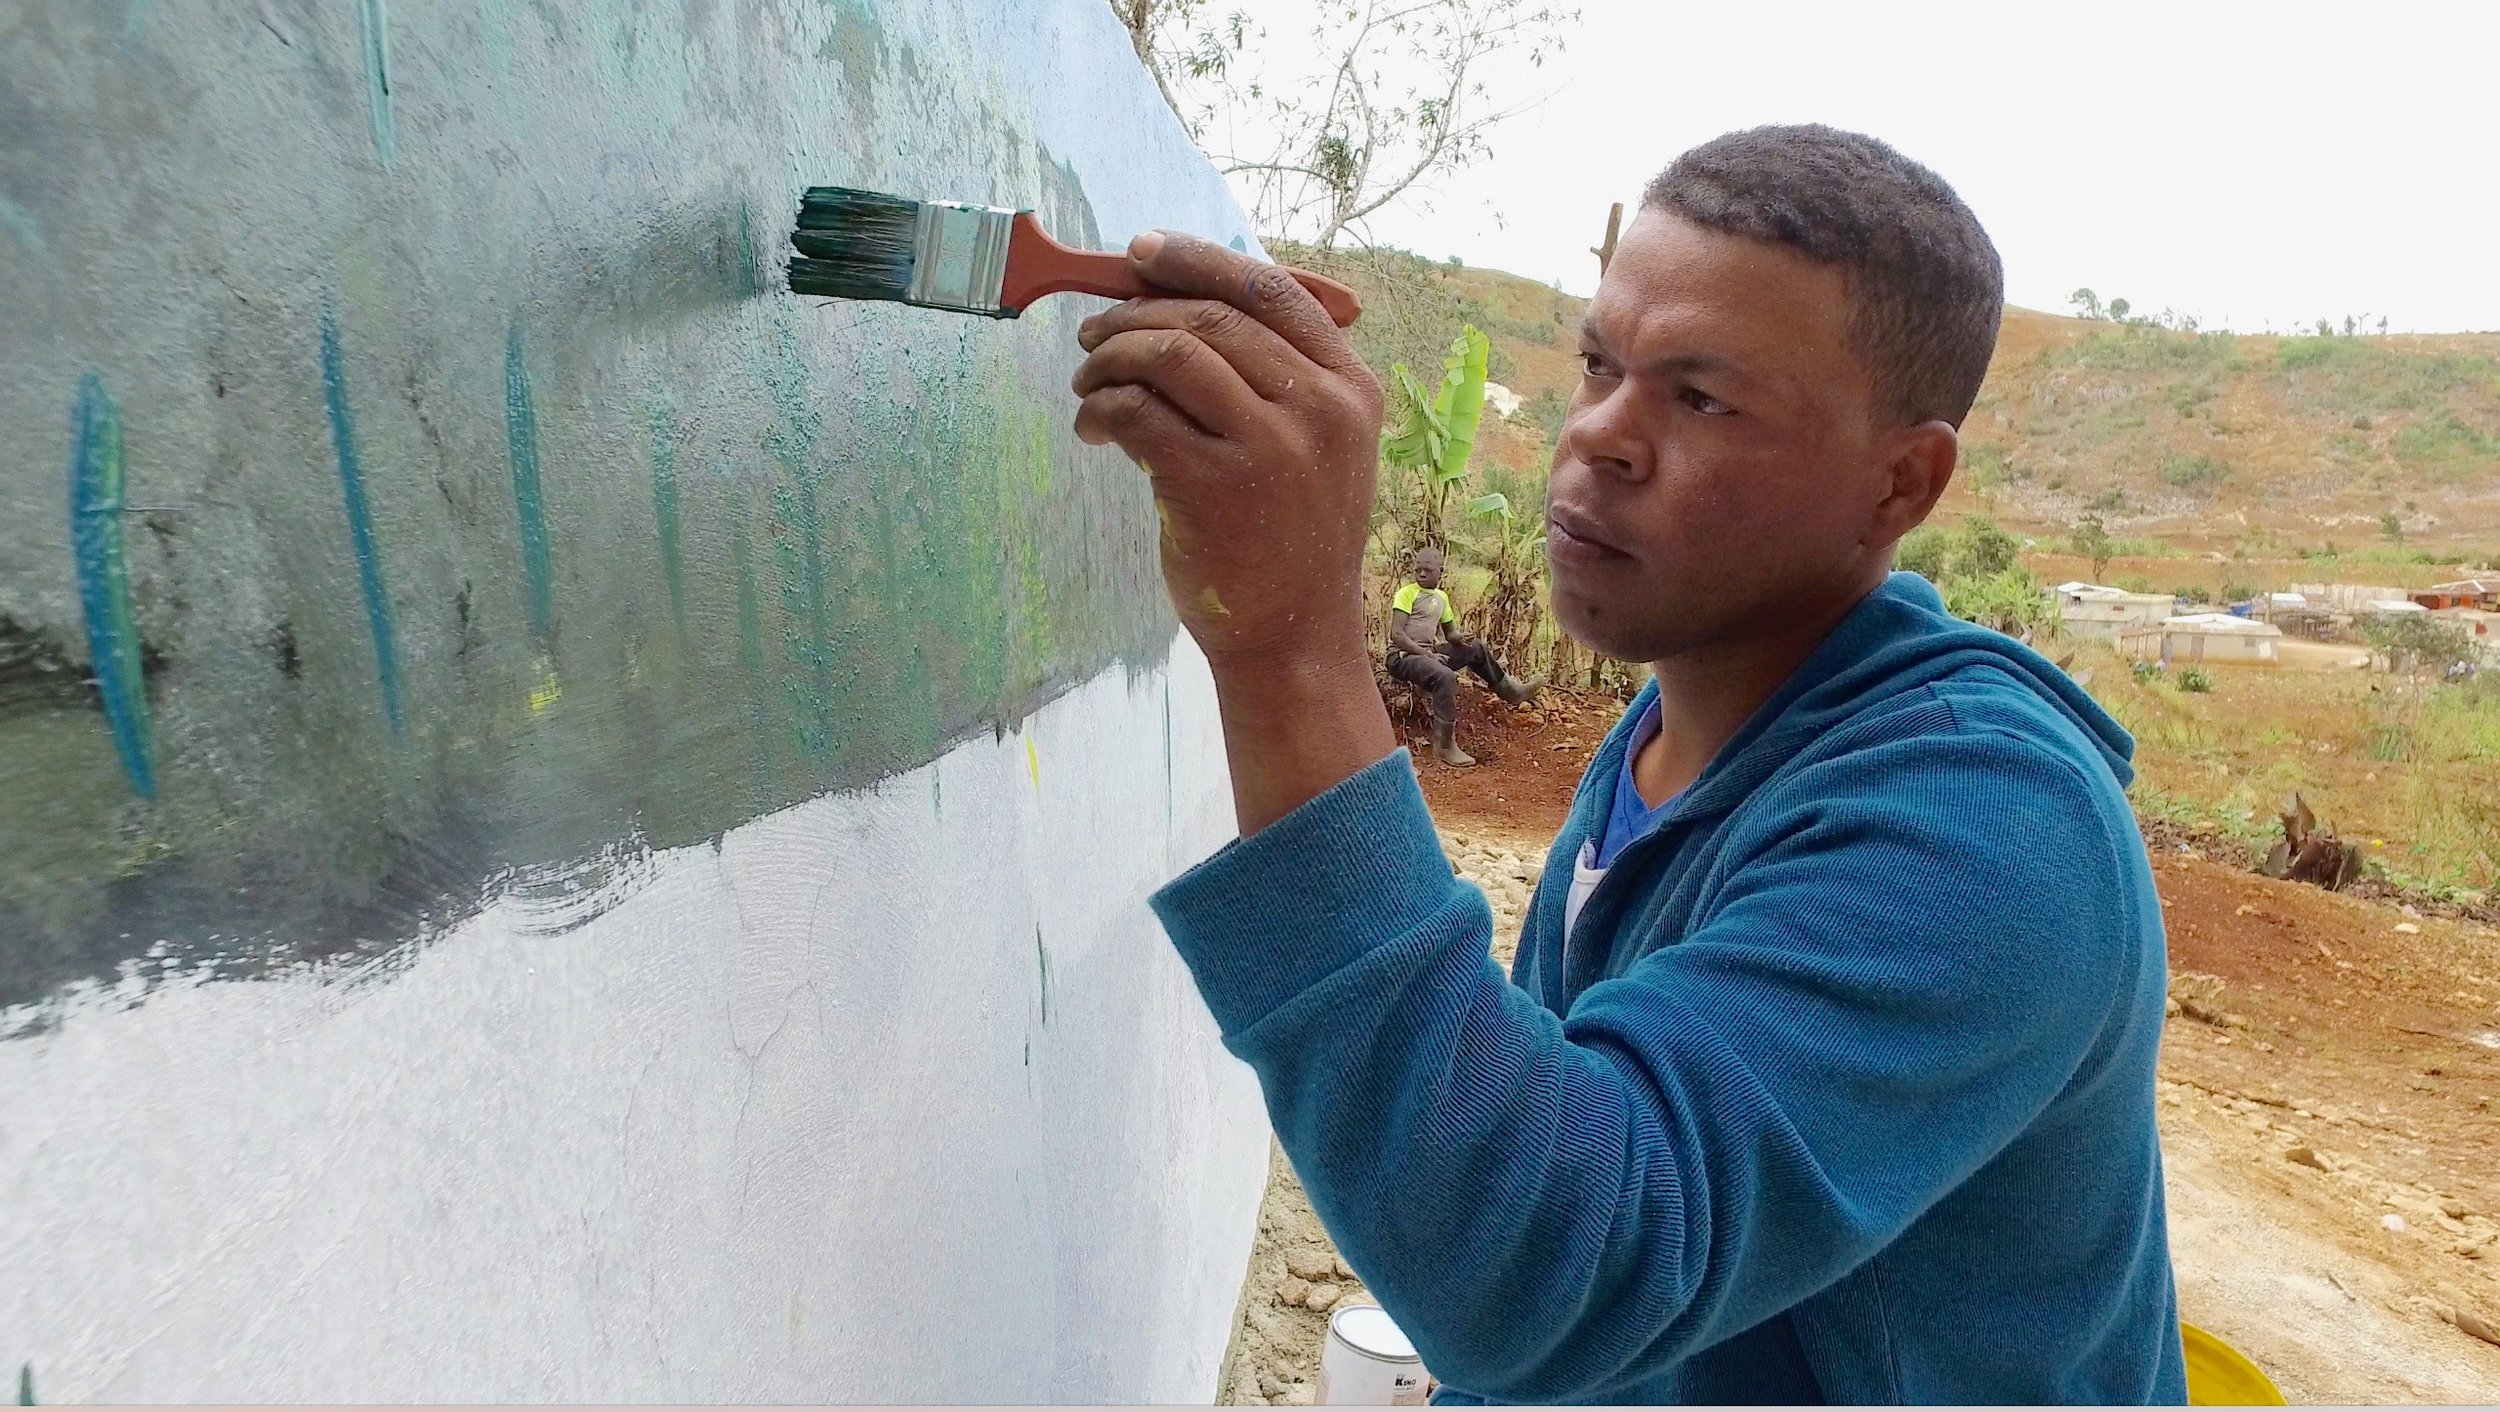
(1927, 284)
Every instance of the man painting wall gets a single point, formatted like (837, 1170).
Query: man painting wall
(1825, 1071)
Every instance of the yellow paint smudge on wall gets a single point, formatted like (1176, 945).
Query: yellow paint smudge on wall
(548, 691)
(1033, 761)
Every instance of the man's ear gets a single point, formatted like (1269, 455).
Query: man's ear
(1923, 457)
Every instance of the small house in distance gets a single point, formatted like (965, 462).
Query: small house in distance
(2093, 611)
(2479, 593)
(2202, 637)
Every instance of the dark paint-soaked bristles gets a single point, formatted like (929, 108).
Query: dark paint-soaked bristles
(833, 207)
(854, 244)
(850, 249)
(834, 279)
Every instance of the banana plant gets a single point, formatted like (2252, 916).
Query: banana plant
(1436, 431)
(1508, 612)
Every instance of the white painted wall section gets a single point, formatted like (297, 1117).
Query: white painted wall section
(805, 1117)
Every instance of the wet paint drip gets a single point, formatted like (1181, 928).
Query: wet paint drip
(377, 51)
(664, 510)
(359, 519)
(521, 438)
(95, 525)
(1041, 955)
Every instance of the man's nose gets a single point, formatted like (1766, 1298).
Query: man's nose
(1605, 437)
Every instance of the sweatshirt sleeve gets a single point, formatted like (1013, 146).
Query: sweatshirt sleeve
(1553, 1208)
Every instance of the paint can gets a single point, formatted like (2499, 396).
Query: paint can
(1367, 1362)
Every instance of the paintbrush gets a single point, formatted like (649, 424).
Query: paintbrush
(987, 260)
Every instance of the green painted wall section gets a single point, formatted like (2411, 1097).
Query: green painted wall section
(486, 512)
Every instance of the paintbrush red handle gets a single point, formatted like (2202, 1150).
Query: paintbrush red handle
(1038, 265)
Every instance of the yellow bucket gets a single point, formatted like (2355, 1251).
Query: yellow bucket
(2219, 1375)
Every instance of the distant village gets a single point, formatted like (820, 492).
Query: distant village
(2315, 624)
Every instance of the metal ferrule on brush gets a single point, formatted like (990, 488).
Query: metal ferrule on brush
(959, 257)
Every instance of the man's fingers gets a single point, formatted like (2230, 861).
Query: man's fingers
(1186, 264)
(1262, 358)
(1136, 420)
(1178, 367)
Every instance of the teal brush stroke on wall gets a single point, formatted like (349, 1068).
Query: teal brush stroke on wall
(25, 1384)
(359, 519)
(751, 645)
(528, 500)
(664, 510)
(95, 521)
(807, 609)
(375, 29)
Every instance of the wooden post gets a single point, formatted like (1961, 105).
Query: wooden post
(1606, 253)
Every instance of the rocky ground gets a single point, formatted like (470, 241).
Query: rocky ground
(2330, 1092)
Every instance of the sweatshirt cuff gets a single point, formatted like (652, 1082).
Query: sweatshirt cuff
(1271, 915)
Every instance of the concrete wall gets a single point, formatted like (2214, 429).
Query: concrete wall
(2177, 646)
(575, 826)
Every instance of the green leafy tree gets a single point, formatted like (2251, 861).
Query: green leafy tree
(2092, 541)
(1985, 550)
(2087, 304)
(1926, 551)
(2418, 642)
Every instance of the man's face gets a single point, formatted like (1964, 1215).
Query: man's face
(1428, 569)
(1722, 462)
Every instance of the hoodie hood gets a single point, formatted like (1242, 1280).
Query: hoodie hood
(1899, 639)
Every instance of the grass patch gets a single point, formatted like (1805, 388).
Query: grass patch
(2199, 474)
(2443, 441)
(2409, 771)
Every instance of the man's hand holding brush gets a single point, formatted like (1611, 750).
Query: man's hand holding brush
(1260, 428)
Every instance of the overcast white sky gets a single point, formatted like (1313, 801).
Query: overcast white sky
(2256, 165)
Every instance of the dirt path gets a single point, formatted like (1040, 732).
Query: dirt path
(2330, 1127)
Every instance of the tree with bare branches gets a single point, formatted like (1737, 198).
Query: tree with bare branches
(1398, 98)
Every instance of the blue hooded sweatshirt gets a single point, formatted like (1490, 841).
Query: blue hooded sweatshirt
(1840, 1088)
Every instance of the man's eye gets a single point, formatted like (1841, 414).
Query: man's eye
(1592, 365)
(1705, 404)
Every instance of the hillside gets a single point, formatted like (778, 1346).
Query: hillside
(2253, 445)
(2280, 456)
